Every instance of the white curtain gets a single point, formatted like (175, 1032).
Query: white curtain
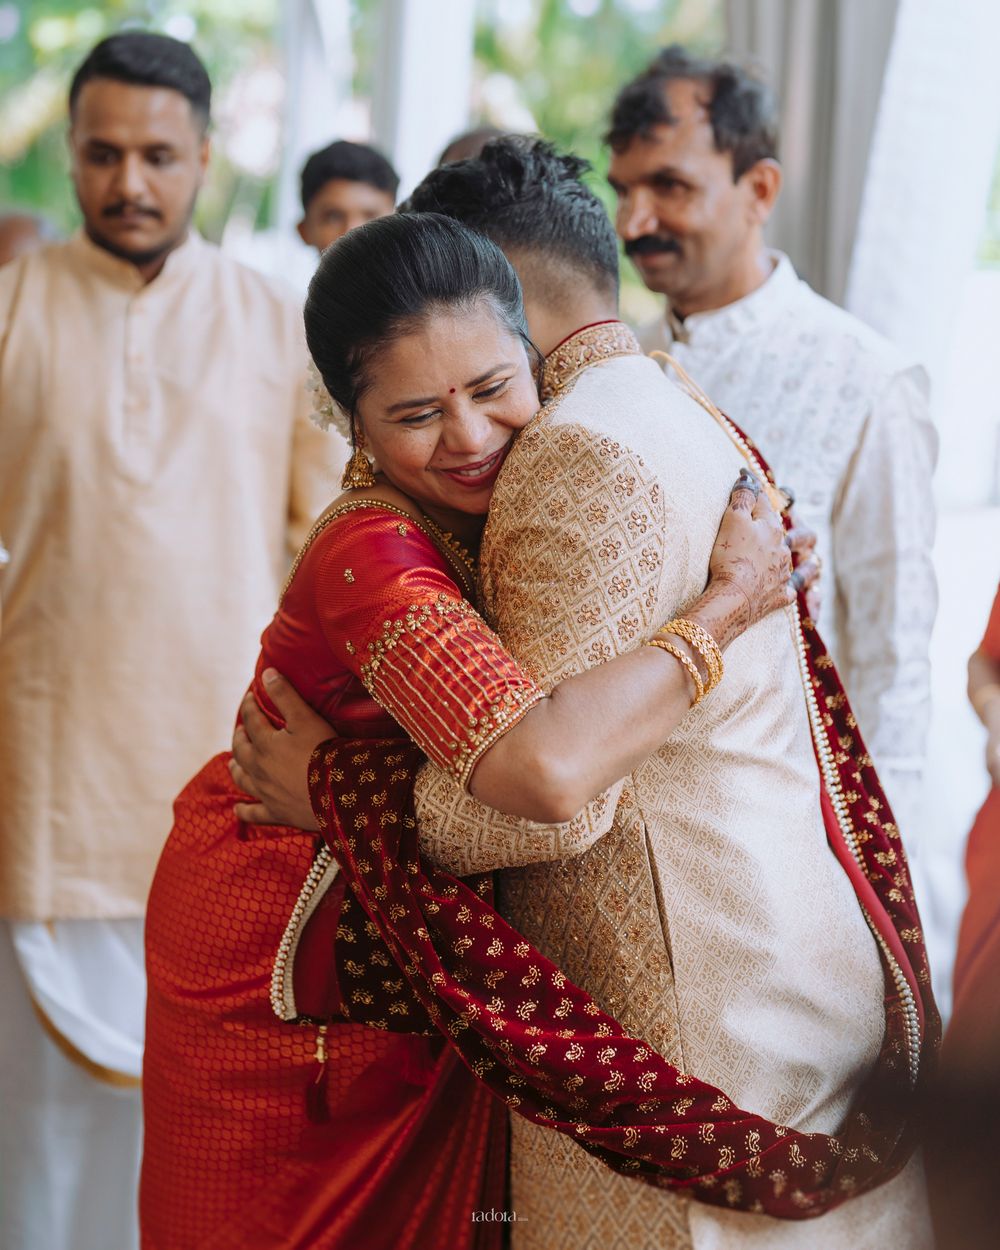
(928, 178)
(825, 60)
(423, 81)
(912, 277)
(319, 60)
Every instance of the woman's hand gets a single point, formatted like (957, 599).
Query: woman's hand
(750, 569)
(272, 764)
(802, 540)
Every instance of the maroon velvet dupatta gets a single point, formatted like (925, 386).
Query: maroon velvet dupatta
(419, 950)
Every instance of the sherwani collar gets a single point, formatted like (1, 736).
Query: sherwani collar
(590, 345)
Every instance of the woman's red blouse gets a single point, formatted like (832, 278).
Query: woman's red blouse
(374, 632)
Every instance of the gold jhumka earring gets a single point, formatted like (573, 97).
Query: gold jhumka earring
(358, 475)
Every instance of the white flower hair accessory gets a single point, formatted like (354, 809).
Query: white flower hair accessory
(325, 409)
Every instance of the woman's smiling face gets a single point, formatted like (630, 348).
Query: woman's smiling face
(443, 404)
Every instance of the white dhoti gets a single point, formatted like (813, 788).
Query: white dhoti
(71, 1035)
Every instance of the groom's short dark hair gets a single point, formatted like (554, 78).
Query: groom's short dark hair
(530, 199)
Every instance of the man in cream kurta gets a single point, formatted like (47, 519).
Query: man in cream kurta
(157, 469)
(698, 899)
(843, 415)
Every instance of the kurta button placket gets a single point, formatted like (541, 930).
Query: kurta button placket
(142, 411)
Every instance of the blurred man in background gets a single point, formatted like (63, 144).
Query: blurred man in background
(343, 186)
(469, 143)
(843, 416)
(157, 470)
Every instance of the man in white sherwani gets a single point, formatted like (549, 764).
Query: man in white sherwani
(841, 415)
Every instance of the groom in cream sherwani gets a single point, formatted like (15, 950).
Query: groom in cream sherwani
(697, 900)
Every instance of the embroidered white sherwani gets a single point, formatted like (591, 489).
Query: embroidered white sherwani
(843, 420)
(697, 900)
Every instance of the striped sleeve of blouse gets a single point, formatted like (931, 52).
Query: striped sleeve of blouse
(395, 613)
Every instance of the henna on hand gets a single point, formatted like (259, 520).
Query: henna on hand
(751, 553)
(724, 609)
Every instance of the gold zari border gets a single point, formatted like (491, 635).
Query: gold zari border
(587, 347)
(455, 554)
(482, 733)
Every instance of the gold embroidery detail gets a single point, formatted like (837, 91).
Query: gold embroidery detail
(348, 575)
(482, 731)
(587, 347)
(318, 881)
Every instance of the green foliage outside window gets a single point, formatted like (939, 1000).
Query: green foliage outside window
(565, 60)
(43, 41)
(554, 62)
(989, 248)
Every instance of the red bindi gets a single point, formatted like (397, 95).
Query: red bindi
(451, 391)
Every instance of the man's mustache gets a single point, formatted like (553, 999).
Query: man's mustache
(122, 206)
(650, 244)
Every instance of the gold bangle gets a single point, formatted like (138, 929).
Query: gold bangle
(702, 641)
(689, 664)
(984, 696)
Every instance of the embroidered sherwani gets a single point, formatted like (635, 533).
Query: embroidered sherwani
(697, 900)
(843, 419)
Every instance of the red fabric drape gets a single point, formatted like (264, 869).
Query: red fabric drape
(963, 1142)
(402, 1145)
(543, 1045)
(981, 919)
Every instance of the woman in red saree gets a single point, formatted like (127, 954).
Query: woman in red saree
(964, 1141)
(265, 1125)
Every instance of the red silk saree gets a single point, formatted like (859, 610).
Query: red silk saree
(282, 1132)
